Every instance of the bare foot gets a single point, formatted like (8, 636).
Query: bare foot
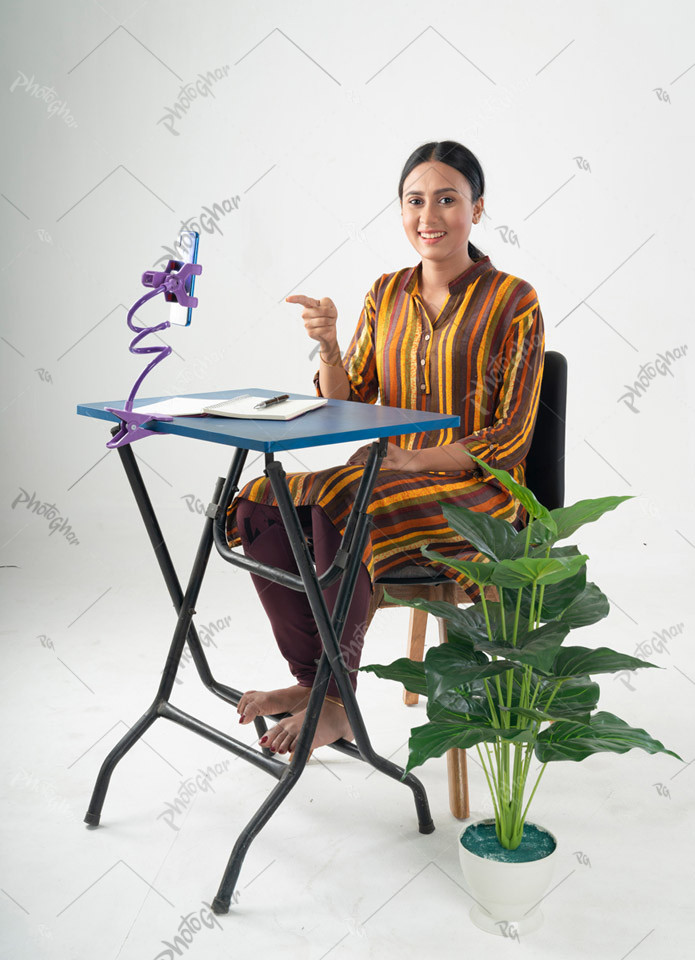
(255, 703)
(333, 724)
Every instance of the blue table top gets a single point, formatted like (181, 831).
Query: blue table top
(339, 421)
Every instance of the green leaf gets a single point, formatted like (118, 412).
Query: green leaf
(464, 622)
(544, 643)
(491, 536)
(453, 705)
(568, 550)
(522, 494)
(411, 673)
(530, 714)
(465, 646)
(435, 738)
(575, 698)
(582, 661)
(556, 597)
(570, 519)
(568, 740)
(446, 670)
(590, 606)
(527, 570)
(480, 573)
(539, 647)
(438, 608)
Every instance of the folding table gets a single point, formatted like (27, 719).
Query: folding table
(338, 421)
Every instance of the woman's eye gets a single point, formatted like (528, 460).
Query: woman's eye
(417, 200)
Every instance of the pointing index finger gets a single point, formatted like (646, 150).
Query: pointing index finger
(305, 301)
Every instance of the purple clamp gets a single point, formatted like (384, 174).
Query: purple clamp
(173, 285)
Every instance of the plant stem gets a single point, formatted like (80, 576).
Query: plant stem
(504, 619)
(523, 817)
(500, 699)
(492, 791)
(540, 605)
(533, 600)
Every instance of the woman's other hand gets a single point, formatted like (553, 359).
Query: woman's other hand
(396, 457)
(320, 317)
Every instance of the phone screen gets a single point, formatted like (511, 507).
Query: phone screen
(187, 251)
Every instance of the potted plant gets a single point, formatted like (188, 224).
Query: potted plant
(506, 684)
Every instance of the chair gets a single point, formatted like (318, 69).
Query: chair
(545, 475)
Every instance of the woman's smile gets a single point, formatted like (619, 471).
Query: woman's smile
(430, 237)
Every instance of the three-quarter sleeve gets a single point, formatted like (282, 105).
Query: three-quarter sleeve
(518, 369)
(359, 360)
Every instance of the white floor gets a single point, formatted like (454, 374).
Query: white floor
(340, 870)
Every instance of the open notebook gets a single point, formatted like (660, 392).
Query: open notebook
(241, 406)
(244, 406)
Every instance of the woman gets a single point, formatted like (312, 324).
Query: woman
(453, 335)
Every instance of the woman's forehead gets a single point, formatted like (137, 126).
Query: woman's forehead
(433, 175)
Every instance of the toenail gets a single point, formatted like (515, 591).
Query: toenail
(263, 739)
(242, 717)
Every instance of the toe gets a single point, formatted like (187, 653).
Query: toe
(241, 706)
(249, 708)
(273, 738)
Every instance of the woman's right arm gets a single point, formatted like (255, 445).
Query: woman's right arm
(320, 318)
(333, 381)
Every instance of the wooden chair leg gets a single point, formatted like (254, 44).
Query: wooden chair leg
(417, 629)
(456, 764)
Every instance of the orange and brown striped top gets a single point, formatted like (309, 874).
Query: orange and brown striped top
(482, 359)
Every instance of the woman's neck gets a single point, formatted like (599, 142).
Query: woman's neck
(438, 276)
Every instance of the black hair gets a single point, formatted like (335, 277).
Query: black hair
(454, 155)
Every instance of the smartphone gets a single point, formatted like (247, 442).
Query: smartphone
(186, 248)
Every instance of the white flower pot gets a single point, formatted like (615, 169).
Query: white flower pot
(506, 894)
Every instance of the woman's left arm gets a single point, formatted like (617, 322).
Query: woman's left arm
(506, 441)
(519, 369)
(449, 456)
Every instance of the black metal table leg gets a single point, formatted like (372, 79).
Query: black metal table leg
(330, 630)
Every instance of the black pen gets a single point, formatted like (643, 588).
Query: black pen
(271, 401)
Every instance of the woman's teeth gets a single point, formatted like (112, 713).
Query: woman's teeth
(432, 236)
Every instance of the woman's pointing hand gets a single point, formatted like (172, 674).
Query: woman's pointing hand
(320, 318)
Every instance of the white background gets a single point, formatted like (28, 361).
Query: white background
(581, 117)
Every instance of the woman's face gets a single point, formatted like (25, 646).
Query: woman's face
(437, 200)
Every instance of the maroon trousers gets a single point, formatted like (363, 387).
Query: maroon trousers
(264, 538)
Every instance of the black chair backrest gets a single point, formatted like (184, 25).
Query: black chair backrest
(545, 461)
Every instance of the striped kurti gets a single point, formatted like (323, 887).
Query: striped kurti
(482, 359)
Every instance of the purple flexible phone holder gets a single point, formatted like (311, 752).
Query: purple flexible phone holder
(173, 285)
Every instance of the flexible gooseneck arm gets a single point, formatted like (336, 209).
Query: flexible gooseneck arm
(166, 282)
